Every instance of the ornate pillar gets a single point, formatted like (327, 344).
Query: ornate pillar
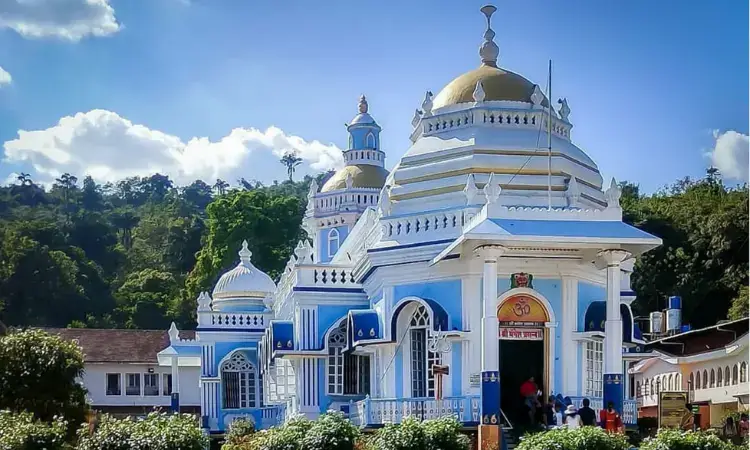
(613, 376)
(489, 429)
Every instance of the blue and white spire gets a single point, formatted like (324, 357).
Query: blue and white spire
(364, 138)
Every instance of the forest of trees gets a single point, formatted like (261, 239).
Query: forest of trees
(136, 253)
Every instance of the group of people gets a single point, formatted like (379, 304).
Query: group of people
(554, 414)
(736, 431)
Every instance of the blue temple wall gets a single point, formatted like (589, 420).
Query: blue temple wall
(324, 256)
(446, 293)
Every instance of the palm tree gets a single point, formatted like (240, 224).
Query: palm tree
(221, 186)
(24, 179)
(291, 161)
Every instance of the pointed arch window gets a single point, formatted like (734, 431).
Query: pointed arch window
(705, 379)
(712, 382)
(727, 376)
(351, 141)
(333, 242)
(735, 371)
(697, 380)
(422, 360)
(691, 381)
(370, 140)
(719, 377)
(743, 372)
(348, 374)
(239, 382)
(670, 380)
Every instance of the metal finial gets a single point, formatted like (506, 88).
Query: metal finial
(362, 105)
(489, 51)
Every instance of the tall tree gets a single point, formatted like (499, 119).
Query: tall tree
(221, 186)
(290, 160)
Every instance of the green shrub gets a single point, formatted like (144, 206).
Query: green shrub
(668, 439)
(20, 431)
(407, 435)
(240, 431)
(585, 438)
(158, 431)
(332, 431)
(445, 434)
(288, 436)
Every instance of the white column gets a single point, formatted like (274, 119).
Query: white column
(175, 376)
(613, 324)
(569, 358)
(490, 328)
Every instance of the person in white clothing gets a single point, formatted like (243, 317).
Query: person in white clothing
(572, 419)
(558, 415)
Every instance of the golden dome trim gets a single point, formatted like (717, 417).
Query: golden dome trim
(498, 84)
(363, 176)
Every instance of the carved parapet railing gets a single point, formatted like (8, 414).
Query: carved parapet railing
(442, 224)
(337, 201)
(233, 320)
(380, 411)
(629, 408)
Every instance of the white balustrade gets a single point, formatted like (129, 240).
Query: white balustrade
(493, 117)
(629, 407)
(230, 320)
(448, 223)
(380, 411)
(336, 202)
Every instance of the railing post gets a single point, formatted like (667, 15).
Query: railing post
(367, 411)
(351, 409)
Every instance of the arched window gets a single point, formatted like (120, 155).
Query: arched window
(240, 383)
(422, 360)
(705, 379)
(697, 380)
(670, 382)
(719, 377)
(370, 140)
(333, 242)
(351, 141)
(735, 371)
(712, 382)
(743, 372)
(348, 374)
(679, 382)
(727, 376)
(638, 387)
(653, 391)
(691, 381)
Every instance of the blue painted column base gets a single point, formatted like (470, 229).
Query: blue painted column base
(174, 404)
(490, 435)
(613, 391)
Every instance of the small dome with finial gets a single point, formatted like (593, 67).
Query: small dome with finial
(363, 117)
(244, 282)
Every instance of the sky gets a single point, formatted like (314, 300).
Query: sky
(222, 88)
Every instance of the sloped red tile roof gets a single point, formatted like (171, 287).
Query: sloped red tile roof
(119, 346)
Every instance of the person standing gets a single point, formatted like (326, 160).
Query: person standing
(610, 419)
(529, 393)
(588, 416)
(743, 425)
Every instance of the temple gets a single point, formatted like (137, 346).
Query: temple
(484, 258)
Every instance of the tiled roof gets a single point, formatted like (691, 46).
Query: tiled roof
(119, 346)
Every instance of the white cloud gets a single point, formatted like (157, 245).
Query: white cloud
(66, 19)
(731, 154)
(109, 147)
(5, 77)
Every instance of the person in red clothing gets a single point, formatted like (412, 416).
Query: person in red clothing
(529, 392)
(610, 420)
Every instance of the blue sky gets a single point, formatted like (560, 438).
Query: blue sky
(190, 88)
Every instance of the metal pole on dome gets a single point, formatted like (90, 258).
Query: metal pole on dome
(549, 139)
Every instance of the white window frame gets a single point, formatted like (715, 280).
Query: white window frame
(335, 361)
(370, 140)
(128, 385)
(281, 382)
(333, 235)
(593, 369)
(119, 384)
(146, 385)
(421, 320)
(246, 389)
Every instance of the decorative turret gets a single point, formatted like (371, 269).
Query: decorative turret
(243, 288)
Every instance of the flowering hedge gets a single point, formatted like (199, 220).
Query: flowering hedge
(158, 431)
(585, 438)
(332, 431)
(411, 434)
(687, 440)
(20, 431)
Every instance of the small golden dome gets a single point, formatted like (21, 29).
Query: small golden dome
(363, 176)
(498, 84)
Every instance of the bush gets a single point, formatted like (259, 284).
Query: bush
(38, 374)
(240, 431)
(407, 435)
(21, 431)
(585, 438)
(332, 431)
(285, 437)
(158, 431)
(445, 434)
(668, 439)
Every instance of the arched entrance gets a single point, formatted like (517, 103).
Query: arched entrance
(524, 341)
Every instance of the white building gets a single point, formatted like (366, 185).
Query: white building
(710, 364)
(125, 375)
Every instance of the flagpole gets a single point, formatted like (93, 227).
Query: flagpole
(549, 139)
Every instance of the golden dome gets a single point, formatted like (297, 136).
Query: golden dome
(498, 84)
(363, 176)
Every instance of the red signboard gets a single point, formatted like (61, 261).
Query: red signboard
(521, 334)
